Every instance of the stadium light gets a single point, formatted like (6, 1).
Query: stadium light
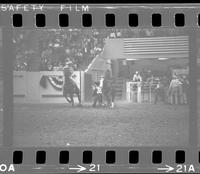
(162, 58)
(131, 59)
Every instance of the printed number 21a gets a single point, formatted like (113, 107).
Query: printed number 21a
(94, 168)
(185, 168)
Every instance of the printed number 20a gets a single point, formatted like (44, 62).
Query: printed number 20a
(94, 168)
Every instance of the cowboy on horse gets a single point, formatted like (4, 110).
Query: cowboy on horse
(70, 87)
(108, 88)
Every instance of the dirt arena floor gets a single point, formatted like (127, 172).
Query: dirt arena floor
(127, 124)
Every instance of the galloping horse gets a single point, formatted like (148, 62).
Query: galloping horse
(70, 88)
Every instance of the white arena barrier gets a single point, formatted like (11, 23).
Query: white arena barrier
(133, 96)
(46, 86)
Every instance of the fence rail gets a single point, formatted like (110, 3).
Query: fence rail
(28, 89)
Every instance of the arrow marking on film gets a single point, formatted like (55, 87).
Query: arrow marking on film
(79, 168)
(166, 168)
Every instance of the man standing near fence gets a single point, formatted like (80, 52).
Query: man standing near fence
(137, 86)
(137, 77)
(175, 88)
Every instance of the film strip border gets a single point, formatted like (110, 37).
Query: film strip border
(110, 156)
(110, 159)
(101, 159)
(86, 16)
(124, 160)
(63, 20)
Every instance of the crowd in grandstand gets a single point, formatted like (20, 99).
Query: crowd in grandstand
(77, 45)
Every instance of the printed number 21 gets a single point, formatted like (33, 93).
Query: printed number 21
(94, 168)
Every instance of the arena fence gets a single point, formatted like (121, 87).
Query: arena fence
(46, 86)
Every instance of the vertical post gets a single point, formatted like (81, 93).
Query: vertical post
(82, 85)
(128, 91)
(150, 92)
(8, 58)
(139, 92)
(124, 90)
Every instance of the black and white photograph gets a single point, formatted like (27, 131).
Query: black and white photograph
(101, 87)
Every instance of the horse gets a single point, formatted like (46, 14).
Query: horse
(71, 88)
(108, 92)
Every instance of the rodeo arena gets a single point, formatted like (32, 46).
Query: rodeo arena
(101, 87)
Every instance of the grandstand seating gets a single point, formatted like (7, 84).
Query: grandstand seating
(81, 46)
